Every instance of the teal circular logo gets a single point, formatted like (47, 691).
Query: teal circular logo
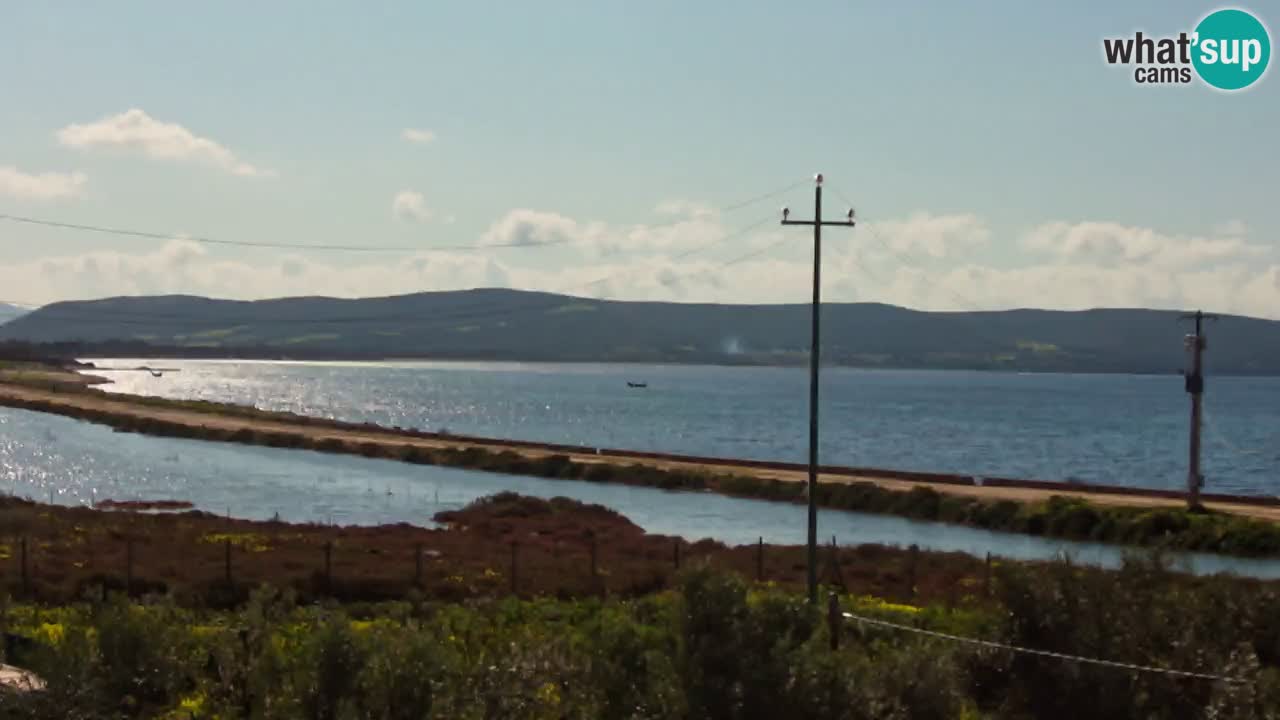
(1231, 49)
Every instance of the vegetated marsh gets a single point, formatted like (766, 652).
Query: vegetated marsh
(715, 645)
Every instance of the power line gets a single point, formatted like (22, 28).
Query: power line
(967, 304)
(352, 248)
(477, 312)
(277, 246)
(680, 256)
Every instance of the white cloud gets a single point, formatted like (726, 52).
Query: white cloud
(411, 206)
(1107, 243)
(691, 227)
(42, 186)
(533, 227)
(184, 266)
(418, 136)
(136, 130)
(1057, 274)
(686, 208)
(937, 236)
(1231, 228)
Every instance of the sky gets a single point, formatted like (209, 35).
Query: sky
(631, 150)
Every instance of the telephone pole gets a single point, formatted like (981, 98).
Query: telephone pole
(817, 223)
(1195, 387)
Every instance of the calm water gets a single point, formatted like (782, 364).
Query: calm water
(1113, 429)
(52, 458)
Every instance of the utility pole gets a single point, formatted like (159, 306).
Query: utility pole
(1195, 387)
(817, 223)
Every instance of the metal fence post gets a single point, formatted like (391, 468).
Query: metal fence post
(515, 582)
(328, 566)
(760, 559)
(911, 570)
(833, 620)
(26, 571)
(128, 567)
(986, 577)
(417, 565)
(594, 567)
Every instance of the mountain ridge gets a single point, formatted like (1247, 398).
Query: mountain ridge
(11, 312)
(507, 324)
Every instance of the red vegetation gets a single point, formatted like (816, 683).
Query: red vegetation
(556, 547)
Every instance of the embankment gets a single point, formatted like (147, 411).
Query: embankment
(1229, 525)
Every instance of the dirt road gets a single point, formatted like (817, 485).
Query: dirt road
(73, 403)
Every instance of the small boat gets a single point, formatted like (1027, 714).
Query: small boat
(637, 384)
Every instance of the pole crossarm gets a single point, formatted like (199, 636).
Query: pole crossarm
(817, 223)
(824, 223)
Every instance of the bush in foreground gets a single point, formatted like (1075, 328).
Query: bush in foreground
(715, 648)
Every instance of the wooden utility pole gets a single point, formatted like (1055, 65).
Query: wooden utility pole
(1195, 387)
(814, 340)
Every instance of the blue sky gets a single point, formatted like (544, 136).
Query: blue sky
(997, 159)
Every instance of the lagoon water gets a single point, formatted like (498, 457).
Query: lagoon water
(65, 461)
(1112, 429)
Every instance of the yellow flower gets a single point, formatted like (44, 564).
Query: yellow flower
(51, 633)
(549, 694)
(879, 604)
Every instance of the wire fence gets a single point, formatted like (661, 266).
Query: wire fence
(225, 566)
(220, 560)
(992, 645)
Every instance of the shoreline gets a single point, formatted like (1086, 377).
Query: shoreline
(1234, 525)
(479, 360)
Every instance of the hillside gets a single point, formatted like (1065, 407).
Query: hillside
(9, 312)
(531, 326)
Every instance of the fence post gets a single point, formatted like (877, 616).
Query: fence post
(594, 569)
(26, 572)
(986, 577)
(760, 559)
(675, 553)
(911, 570)
(128, 567)
(515, 584)
(328, 566)
(417, 565)
(226, 560)
(833, 620)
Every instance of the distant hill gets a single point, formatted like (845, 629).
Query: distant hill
(9, 312)
(497, 324)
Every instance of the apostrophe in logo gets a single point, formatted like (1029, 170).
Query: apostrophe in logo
(1229, 50)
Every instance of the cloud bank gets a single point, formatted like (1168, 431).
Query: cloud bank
(136, 131)
(42, 186)
(925, 260)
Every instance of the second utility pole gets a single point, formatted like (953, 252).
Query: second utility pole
(1195, 387)
(817, 223)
